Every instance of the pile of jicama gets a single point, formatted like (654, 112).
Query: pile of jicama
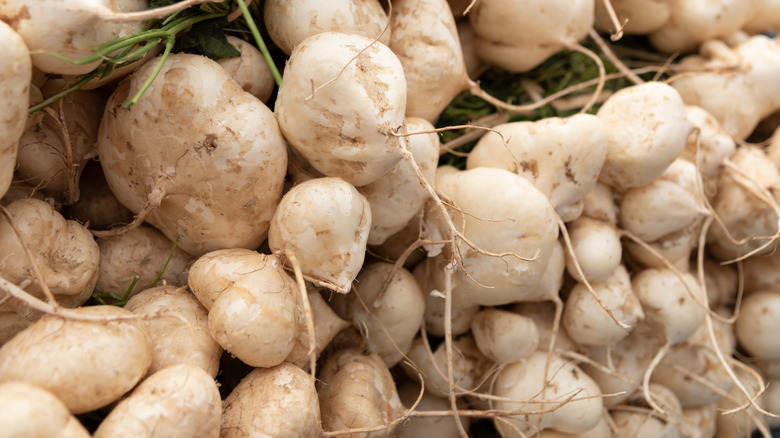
(178, 258)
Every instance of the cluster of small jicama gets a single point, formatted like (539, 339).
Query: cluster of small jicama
(607, 274)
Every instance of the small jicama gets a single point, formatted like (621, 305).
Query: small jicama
(15, 77)
(342, 103)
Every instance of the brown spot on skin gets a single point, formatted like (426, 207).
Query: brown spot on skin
(209, 145)
(233, 166)
(530, 166)
(14, 20)
(568, 172)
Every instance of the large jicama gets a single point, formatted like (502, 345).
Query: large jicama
(167, 148)
(15, 77)
(341, 105)
(72, 29)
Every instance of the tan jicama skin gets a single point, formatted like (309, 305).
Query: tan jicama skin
(55, 148)
(562, 157)
(279, 401)
(342, 99)
(638, 16)
(746, 95)
(29, 411)
(327, 325)
(602, 430)
(647, 132)
(15, 77)
(325, 222)
(700, 422)
(96, 205)
(175, 341)
(772, 401)
(741, 207)
(426, 427)
(388, 318)
(627, 361)
(177, 401)
(433, 290)
(742, 423)
(766, 18)
(691, 22)
(523, 381)
(494, 202)
(758, 323)
(398, 196)
(503, 336)
(290, 22)
(543, 314)
(722, 282)
(97, 362)
(64, 252)
(548, 27)
(253, 309)
(595, 240)
(674, 307)
(396, 245)
(588, 323)
(762, 273)
(142, 251)
(697, 357)
(711, 146)
(356, 390)
(425, 39)
(469, 366)
(250, 69)
(468, 45)
(72, 29)
(208, 130)
(667, 213)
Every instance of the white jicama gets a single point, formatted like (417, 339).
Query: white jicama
(647, 132)
(15, 77)
(289, 22)
(398, 196)
(29, 411)
(341, 104)
(523, 380)
(72, 29)
(503, 336)
(249, 69)
(758, 324)
(501, 212)
(562, 157)
(325, 222)
(209, 126)
(547, 28)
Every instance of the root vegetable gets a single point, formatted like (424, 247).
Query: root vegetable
(177, 401)
(173, 340)
(524, 381)
(96, 205)
(562, 157)
(398, 196)
(425, 39)
(279, 401)
(64, 251)
(638, 16)
(425, 427)
(141, 252)
(250, 69)
(208, 130)
(27, 411)
(388, 311)
(589, 324)
(433, 290)
(15, 77)
(548, 27)
(355, 391)
(342, 100)
(647, 132)
(68, 29)
(325, 222)
(291, 22)
(745, 96)
(96, 361)
(498, 210)
(757, 324)
(504, 337)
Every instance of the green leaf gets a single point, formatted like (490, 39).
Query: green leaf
(208, 38)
